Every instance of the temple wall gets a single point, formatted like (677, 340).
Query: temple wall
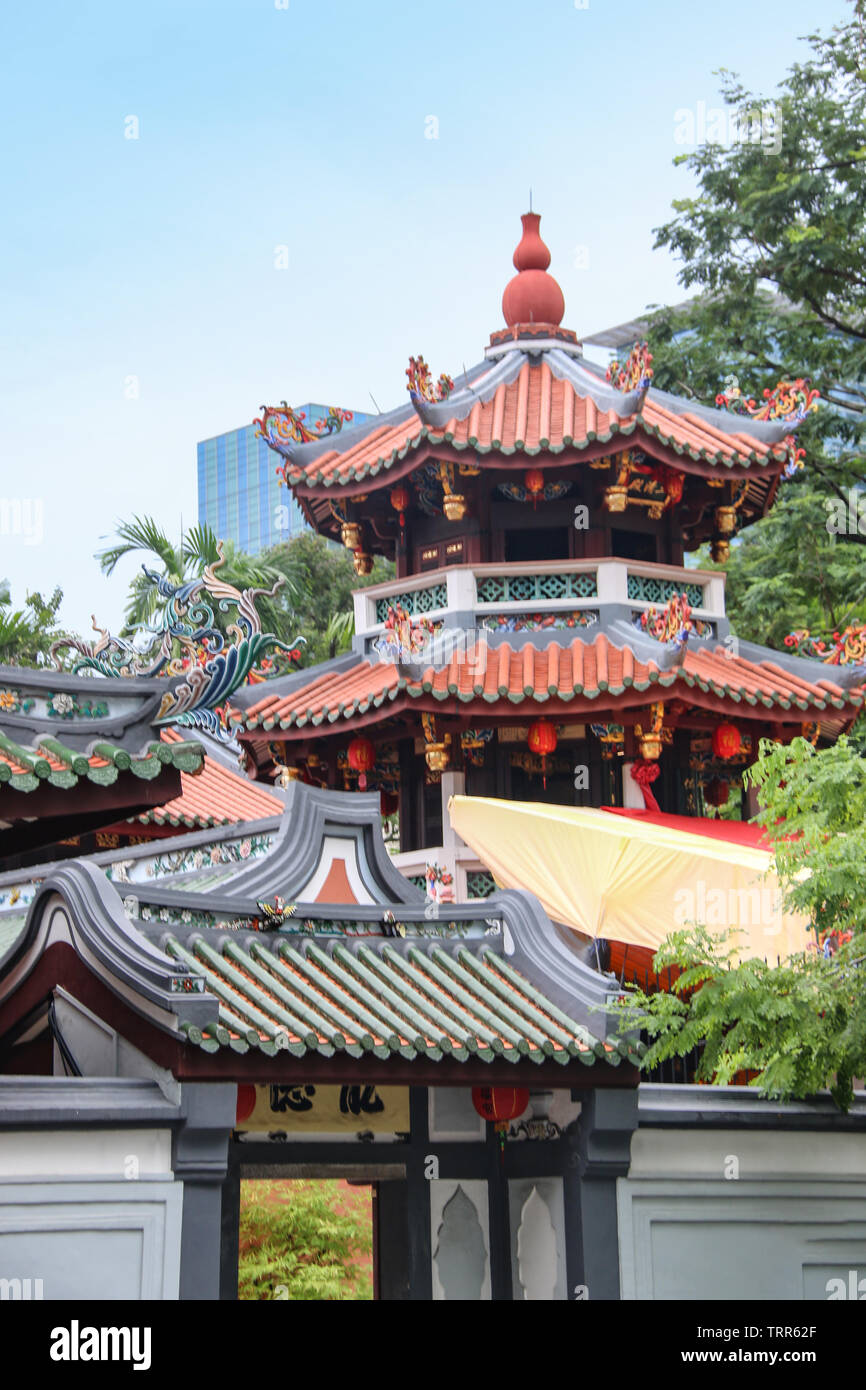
(109, 1189)
(87, 1213)
(731, 1197)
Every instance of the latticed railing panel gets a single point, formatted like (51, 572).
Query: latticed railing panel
(480, 884)
(649, 590)
(523, 588)
(415, 601)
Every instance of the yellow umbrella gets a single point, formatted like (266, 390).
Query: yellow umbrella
(629, 880)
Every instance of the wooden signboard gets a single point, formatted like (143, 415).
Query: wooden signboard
(310, 1109)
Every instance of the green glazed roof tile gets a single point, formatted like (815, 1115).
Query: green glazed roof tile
(376, 998)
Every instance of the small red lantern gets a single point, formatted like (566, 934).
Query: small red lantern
(400, 501)
(362, 757)
(534, 480)
(542, 739)
(716, 792)
(727, 742)
(500, 1104)
(246, 1103)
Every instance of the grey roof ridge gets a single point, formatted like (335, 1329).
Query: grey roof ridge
(481, 388)
(766, 431)
(101, 927)
(48, 677)
(194, 839)
(805, 667)
(284, 685)
(303, 454)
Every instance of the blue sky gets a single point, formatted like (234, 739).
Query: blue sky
(148, 265)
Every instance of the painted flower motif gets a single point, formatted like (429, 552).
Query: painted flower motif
(62, 704)
(246, 846)
(197, 859)
(215, 855)
(186, 915)
(9, 699)
(163, 914)
(146, 914)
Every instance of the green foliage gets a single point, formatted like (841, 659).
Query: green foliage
(789, 571)
(800, 1026)
(26, 633)
(326, 581)
(773, 243)
(178, 563)
(303, 1240)
(813, 807)
(315, 600)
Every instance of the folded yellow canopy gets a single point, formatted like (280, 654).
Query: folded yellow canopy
(614, 877)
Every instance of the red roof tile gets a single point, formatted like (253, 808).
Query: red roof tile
(214, 796)
(536, 412)
(573, 674)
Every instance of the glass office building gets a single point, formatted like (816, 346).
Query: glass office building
(239, 495)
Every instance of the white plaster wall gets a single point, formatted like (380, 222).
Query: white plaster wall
(90, 1240)
(129, 1154)
(742, 1214)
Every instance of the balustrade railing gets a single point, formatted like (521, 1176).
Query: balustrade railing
(524, 596)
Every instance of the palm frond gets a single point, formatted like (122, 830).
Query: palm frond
(200, 547)
(142, 533)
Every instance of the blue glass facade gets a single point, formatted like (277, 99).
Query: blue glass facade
(239, 494)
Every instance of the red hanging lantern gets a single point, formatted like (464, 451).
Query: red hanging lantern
(362, 757)
(246, 1103)
(500, 1104)
(542, 739)
(727, 741)
(716, 792)
(534, 480)
(400, 501)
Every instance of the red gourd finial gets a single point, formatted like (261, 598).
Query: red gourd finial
(532, 296)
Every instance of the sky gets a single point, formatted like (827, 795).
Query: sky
(212, 205)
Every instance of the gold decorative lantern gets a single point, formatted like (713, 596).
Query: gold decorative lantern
(350, 534)
(362, 562)
(652, 739)
(726, 520)
(285, 775)
(454, 506)
(438, 755)
(720, 551)
(650, 747)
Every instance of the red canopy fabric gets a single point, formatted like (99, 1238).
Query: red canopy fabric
(737, 832)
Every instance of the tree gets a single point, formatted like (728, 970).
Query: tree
(774, 241)
(326, 581)
(800, 1025)
(26, 634)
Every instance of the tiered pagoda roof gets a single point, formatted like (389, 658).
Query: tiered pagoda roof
(569, 680)
(611, 439)
(534, 396)
(540, 398)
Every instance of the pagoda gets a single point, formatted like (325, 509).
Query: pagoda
(543, 638)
